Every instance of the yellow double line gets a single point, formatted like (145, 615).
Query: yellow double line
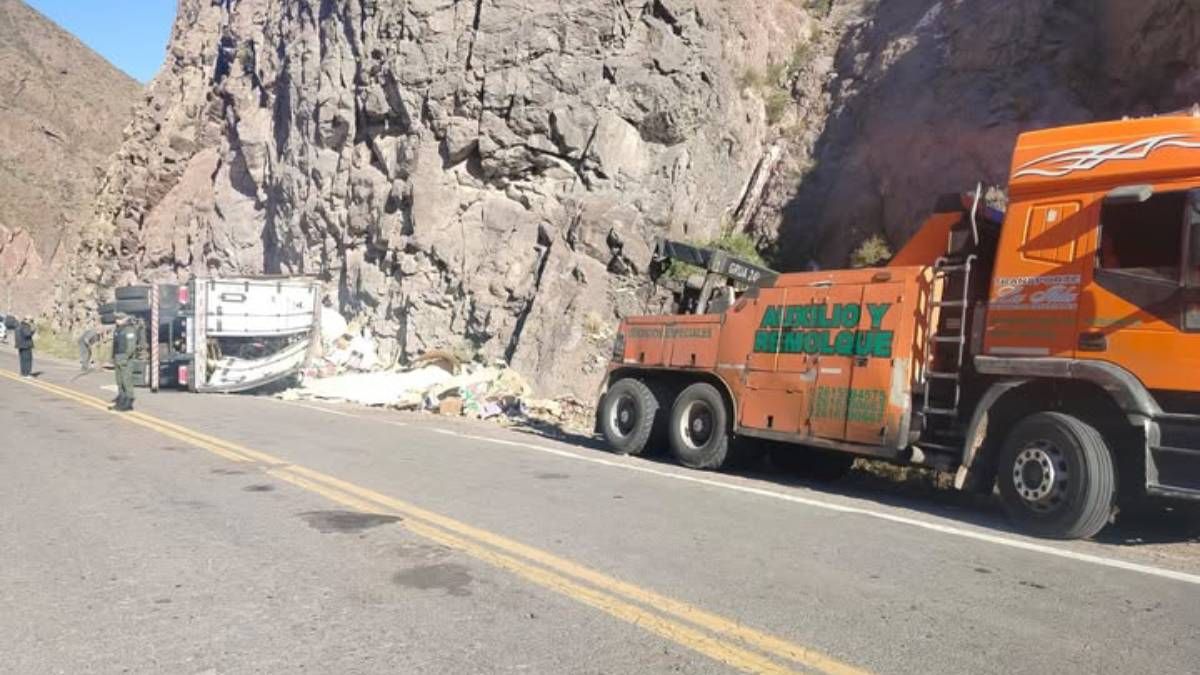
(714, 636)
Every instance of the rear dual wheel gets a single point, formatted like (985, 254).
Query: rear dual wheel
(699, 427)
(629, 416)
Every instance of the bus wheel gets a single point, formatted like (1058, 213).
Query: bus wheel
(627, 416)
(699, 427)
(823, 466)
(1057, 477)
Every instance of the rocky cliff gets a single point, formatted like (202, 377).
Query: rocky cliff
(928, 97)
(489, 174)
(62, 108)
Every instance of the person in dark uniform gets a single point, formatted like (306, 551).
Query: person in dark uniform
(129, 344)
(24, 342)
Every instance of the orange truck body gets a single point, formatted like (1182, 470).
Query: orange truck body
(818, 357)
(1082, 299)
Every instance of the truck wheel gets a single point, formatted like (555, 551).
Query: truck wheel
(823, 466)
(627, 416)
(133, 293)
(699, 427)
(132, 306)
(1056, 477)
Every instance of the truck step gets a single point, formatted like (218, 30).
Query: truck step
(926, 445)
(949, 338)
(949, 303)
(1179, 417)
(938, 375)
(1176, 451)
(942, 412)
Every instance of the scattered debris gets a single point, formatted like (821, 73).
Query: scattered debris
(451, 405)
(348, 369)
(405, 390)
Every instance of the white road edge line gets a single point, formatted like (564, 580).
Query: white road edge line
(298, 404)
(327, 411)
(1034, 547)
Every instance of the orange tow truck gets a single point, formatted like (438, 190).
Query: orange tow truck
(1051, 350)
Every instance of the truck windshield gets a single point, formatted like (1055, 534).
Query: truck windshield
(1144, 238)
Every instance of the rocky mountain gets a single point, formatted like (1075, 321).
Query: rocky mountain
(487, 172)
(62, 109)
(928, 97)
(488, 175)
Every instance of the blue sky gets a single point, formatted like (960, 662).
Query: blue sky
(132, 34)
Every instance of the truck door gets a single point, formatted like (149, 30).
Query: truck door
(1037, 280)
(1134, 309)
(775, 377)
(838, 308)
(876, 363)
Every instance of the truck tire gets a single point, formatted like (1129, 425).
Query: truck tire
(699, 427)
(1057, 477)
(628, 415)
(133, 293)
(132, 306)
(816, 464)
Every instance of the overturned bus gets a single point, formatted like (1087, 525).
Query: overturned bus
(222, 334)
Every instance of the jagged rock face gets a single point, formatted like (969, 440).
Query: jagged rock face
(23, 274)
(492, 170)
(495, 171)
(62, 108)
(928, 97)
(19, 259)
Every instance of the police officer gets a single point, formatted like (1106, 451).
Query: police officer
(129, 344)
(24, 343)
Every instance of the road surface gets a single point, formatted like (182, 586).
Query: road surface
(236, 534)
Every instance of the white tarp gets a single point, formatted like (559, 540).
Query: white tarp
(374, 389)
(363, 355)
(484, 391)
(333, 326)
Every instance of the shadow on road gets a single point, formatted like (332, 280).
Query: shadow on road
(923, 491)
(1159, 523)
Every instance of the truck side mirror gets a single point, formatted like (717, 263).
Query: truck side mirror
(1129, 194)
(1194, 253)
(1191, 270)
(1192, 220)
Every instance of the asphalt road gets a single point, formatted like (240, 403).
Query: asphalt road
(234, 534)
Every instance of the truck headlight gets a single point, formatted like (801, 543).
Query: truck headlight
(618, 352)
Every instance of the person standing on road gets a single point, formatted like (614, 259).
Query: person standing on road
(24, 344)
(128, 346)
(86, 342)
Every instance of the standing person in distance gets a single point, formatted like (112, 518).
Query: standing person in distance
(24, 344)
(86, 342)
